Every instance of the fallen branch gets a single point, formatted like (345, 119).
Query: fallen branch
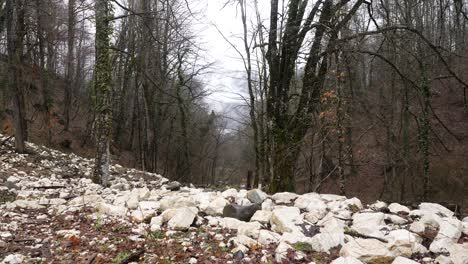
(92, 259)
(356, 234)
(50, 187)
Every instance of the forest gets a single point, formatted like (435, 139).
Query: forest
(234, 131)
(353, 97)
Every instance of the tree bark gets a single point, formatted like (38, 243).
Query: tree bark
(70, 64)
(15, 34)
(103, 83)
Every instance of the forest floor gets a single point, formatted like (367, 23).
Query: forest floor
(50, 212)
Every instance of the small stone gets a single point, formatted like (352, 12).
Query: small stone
(193, 261)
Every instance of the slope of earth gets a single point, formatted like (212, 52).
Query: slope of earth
(50, 212)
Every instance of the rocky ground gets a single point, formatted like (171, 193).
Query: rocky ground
(50, 212)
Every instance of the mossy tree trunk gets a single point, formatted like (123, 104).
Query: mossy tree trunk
(102, 90)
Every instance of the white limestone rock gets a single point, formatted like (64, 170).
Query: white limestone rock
(346, 260)
(251, 229)
(397, 208)
(323, 242)
(229, 193)
(403, 260)
(14, 259)
(367, 250)
(285, 219)
(284, 197)
(183, 219)
(268, 205)
(266, 237)
(216, 206)
(369, 223)
(435, 209)
(256, 196)
(261, 216)
(378, 206)
(112, 210)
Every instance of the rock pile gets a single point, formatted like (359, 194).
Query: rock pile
(49, 190)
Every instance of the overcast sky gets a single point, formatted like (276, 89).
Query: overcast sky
(225, 81)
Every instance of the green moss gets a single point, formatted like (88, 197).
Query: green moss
(155, 235)
(121, 256)
(304, 247)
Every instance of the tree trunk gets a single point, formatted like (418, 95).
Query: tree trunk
(15, 33)
(70, 65)
(103, 82)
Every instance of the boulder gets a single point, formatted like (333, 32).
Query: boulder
(284, 197)
(249, 229)
(256, 196)
(229, 193)
(173, 186)
(183, 219)
(441, 245)
(156, 223)
(230, 223)
(281, 251)
(266, 237)
(243, 240)
(268, 205)
(12, 182)
(369, 223)
(243, 213)
(261, 216)
(88, 200)
(216, 206)
(397, 208)
(443, 260)
(14, 259)
(176, 202)
(332, 197)
(25, 204)
(331, 224)
(450, 228)
(459, 253)
(435, 209)
(378, 206)
(112, 210)
(285, 219)
(395, 219)
(367, 251)
(404, 243)
(323, 242)
(346, 260)
(402, 260)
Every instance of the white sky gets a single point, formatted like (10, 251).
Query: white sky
(225, 79)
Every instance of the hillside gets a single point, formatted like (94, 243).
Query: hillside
(50, 212)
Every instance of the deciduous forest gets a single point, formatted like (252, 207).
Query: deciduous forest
(364, 98)
(234, 131)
